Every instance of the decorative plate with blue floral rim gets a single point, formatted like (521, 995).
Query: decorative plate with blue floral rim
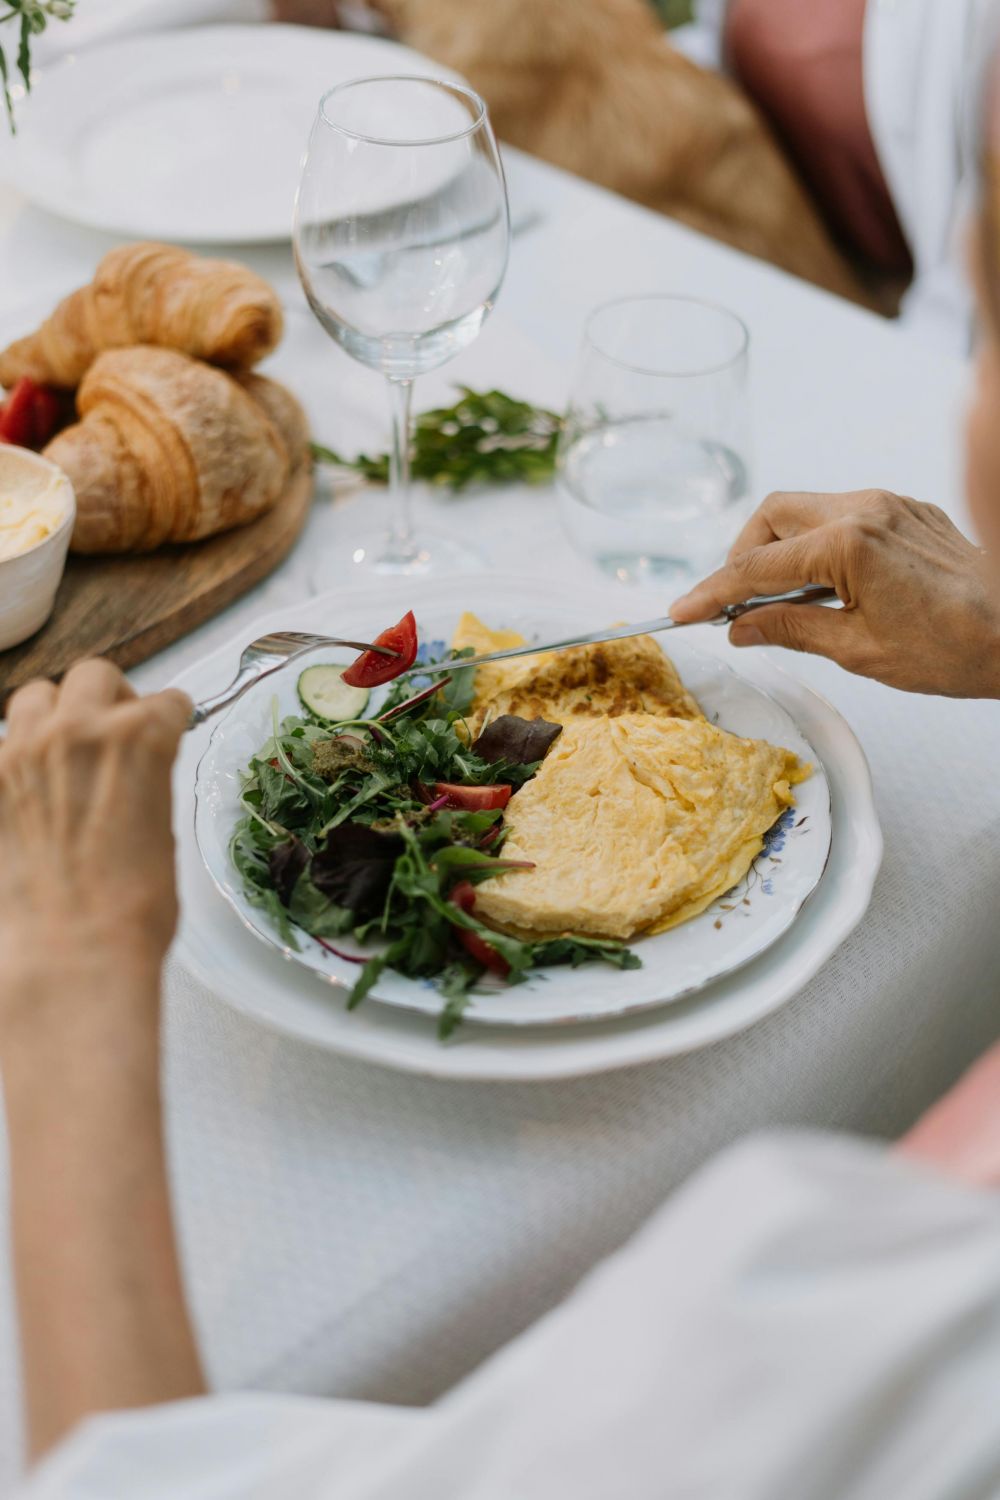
(675, 965)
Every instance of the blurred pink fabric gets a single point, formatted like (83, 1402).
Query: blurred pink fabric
(961, 1134)
(802, 65)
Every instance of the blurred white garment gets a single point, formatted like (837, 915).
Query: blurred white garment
(809, 1318)
(922, 63)
(923, 71)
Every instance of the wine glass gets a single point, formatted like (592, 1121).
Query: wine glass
(653, 457)
(401, 239)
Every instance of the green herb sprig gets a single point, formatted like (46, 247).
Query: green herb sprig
(485, 438)
(675, 12)
(32, 17)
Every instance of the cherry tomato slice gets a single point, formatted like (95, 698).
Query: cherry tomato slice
(473, 798)
(371, 670)
(31, 414)
(464, 897)
(48, 410)
(17, 419)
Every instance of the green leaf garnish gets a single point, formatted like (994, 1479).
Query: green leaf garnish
(31, 18)
(485, 438)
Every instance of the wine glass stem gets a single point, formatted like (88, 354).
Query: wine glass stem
(401, 522)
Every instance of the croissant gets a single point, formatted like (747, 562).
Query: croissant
(169, 449)
(151, 294)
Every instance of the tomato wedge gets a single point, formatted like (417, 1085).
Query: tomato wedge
(473, 798)
(371, 670)
(47, 414)
(30, 415)
(464, 897)
(17, 419)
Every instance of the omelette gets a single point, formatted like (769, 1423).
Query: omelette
(615, 677)
(642, 813)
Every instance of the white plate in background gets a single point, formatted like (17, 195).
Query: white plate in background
(195, 135)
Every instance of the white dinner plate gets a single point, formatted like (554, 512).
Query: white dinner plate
(676, 964)
(194, 135)
(218, 949)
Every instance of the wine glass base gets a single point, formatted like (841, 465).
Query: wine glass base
(378, 555)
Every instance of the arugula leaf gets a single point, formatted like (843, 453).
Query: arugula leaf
(580, 950)
(454, 985)
(313, 911)
(453, 826)
(280, 800)
(458, 694)
(454, 697)
(392, 957)
(370, 976)
(286, 752)
(372, 787)
(468, 864)
(251, 859)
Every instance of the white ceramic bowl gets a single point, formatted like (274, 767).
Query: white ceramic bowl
(29, 581)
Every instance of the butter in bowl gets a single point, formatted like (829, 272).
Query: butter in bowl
(37, 512)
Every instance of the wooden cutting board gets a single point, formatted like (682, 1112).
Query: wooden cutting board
(127, 608)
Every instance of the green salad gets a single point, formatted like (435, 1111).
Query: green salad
(371, 833)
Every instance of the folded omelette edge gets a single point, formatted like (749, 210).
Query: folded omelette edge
(643, 812)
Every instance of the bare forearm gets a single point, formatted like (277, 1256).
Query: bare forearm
(960, 1134)
(103, 1319)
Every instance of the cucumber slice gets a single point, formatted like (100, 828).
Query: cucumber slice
(324, 693)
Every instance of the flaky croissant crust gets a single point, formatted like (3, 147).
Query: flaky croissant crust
(169, 449)
(215, 310)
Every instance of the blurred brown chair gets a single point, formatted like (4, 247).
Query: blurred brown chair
(306, 12)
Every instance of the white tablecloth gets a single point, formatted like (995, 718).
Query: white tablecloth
(346, 1229)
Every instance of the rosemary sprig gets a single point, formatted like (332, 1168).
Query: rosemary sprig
(485, 438)
(32, 17)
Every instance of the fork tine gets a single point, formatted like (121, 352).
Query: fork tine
(264, 656)
(286, 642)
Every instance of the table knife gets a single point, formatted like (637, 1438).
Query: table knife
(812, 594)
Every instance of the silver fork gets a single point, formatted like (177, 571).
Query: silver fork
(264, 656)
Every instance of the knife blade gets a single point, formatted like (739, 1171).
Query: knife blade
(811, 594)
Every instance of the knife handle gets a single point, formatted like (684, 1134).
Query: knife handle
(813, 593)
